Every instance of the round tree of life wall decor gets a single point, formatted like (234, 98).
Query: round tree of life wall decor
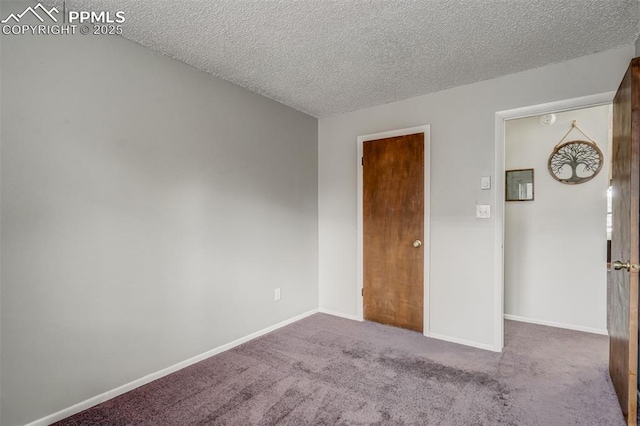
(576, 161)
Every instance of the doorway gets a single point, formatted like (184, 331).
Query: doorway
(622, 321)
(414, 244)
(501, 118)
(555, 244)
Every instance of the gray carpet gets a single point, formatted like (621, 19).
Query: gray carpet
(326, 370)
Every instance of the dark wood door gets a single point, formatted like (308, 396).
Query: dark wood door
(623, 287)
(393, 208)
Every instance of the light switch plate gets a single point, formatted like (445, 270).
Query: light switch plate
(483, 211)
(485, 182)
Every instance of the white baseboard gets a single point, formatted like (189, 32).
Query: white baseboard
(432, 335)
(98, 399)
(556, 324)
(340, 314)
(471, 343)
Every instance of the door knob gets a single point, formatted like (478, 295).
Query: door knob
(617, 265)
(417, 243)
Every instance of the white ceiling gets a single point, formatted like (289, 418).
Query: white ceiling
(327, 57)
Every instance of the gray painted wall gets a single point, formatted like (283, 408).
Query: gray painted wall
(462, 300)
(149, 210)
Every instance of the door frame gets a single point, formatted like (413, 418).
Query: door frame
(426, 130)
(500, 168)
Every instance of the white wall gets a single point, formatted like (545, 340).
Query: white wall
(556, 246)
(462, 150)
(148, 212)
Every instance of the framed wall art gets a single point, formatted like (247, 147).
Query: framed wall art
(576, 161)
(519, 185)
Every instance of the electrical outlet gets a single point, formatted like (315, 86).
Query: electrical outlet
(277, 294)
(483, 211)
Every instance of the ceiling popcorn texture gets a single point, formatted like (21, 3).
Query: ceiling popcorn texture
(329, 57)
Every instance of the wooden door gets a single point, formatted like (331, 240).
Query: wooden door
(393, 222)
(623, 290)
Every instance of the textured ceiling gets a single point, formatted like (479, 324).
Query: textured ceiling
(327, 57)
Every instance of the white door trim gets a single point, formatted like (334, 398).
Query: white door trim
(498, 250)
(427, 216)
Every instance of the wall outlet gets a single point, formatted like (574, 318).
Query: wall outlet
(277, 294)
(483, 211)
